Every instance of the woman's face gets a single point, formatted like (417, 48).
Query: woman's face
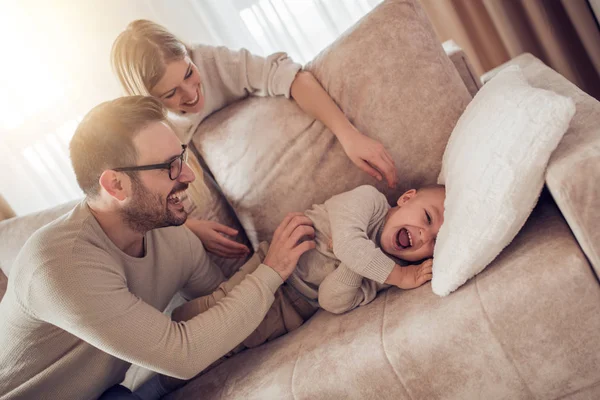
(180, 88)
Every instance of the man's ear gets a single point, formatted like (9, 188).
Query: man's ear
(114, 184)
(409, 194)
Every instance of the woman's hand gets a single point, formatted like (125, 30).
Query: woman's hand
(369, 155)
(212, 233)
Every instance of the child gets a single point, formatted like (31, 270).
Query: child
(363, 246)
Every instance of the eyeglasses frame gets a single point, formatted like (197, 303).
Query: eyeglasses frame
(167, 165)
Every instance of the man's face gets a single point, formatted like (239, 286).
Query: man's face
(155, 200)
(411, 228)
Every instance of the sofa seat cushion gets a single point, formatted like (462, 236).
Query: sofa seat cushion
(206, 202)
(524, 328)
(391, 77)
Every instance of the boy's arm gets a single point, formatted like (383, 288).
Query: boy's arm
(344, 290)
(351, 214)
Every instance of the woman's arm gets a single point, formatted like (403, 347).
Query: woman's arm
(237, 74)
(368, 154)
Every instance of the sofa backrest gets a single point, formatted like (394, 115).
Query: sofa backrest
(390, 76)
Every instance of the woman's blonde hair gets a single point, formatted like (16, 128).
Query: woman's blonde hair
(141, 53)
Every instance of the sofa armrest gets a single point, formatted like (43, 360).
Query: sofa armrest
(6, 211)
(463, 66)
(3, 284)
(15, 231)
(573, 174)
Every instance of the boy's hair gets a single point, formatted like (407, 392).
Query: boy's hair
(140, 55)
(104, 138)
(432, 186)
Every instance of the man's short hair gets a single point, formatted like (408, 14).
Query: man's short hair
(104, 138)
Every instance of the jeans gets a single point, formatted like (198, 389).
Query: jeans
(151, 390)
(118, 392)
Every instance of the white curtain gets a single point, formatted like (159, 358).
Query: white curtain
(55, 67)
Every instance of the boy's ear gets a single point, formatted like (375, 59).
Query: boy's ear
(113, 183)
(409, 194)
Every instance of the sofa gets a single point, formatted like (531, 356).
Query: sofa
(524, 328)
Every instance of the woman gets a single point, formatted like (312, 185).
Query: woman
(195, 82)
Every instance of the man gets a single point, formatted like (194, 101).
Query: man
(86, 293)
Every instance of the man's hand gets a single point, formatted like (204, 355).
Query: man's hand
(411, 276)
(285, 249)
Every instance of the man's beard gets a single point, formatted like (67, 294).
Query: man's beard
(148, 211)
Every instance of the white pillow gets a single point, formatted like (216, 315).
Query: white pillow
(493, 169)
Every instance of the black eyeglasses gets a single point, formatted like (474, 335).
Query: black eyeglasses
(175, 166)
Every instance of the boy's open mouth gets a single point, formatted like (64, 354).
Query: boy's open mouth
(404, 239)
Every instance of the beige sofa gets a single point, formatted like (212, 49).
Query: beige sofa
(525, 328)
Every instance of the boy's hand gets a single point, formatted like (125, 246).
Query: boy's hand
(411, 276)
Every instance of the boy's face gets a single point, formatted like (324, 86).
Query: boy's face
(411, 228)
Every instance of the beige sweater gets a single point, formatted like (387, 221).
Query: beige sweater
(78, 311)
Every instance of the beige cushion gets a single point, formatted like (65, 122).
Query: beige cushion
(509, 333)
(573, 173)
(391, 77)
(493, 169)
(206, 202)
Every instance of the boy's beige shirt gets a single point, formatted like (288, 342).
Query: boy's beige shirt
(348, 267)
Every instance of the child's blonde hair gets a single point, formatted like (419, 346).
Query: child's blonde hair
(141, 53)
